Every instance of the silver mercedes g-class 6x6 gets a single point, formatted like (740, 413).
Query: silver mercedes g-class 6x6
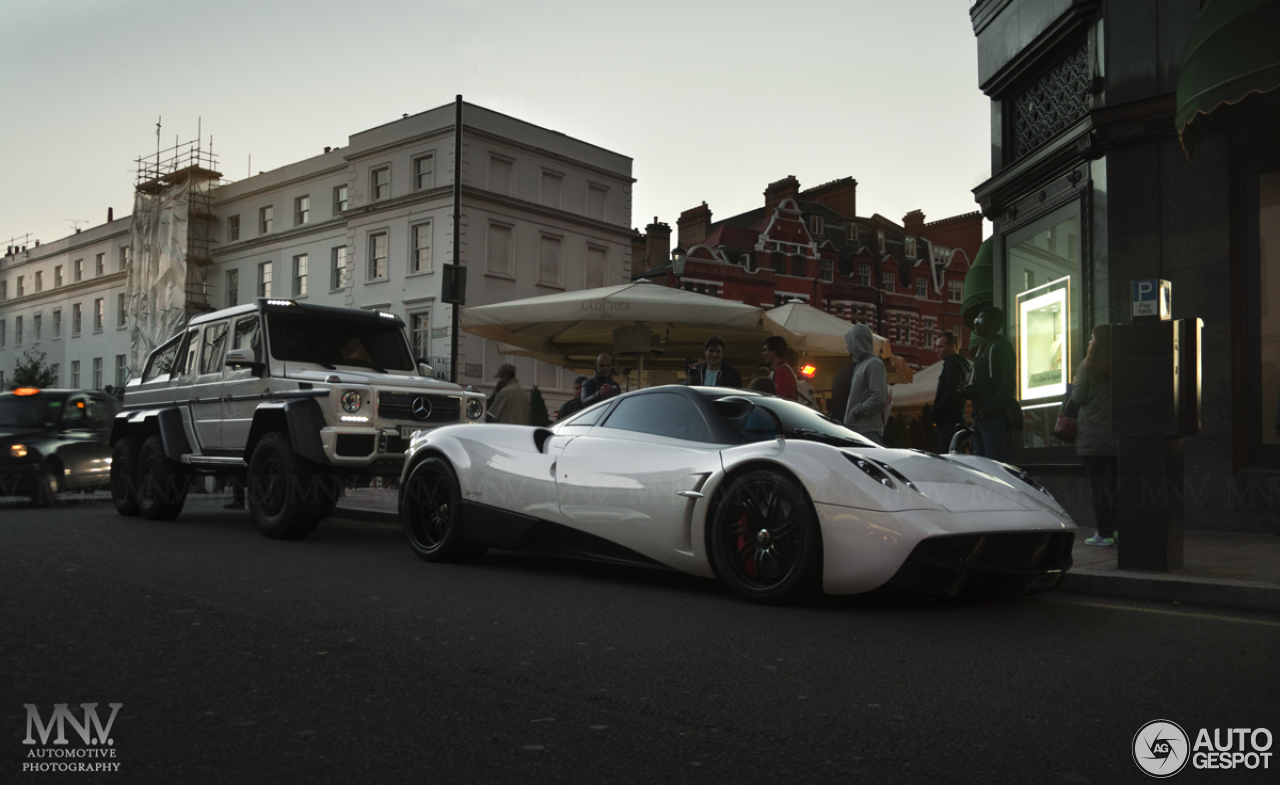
(291, 399)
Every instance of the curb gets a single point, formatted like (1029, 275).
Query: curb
(1131, 585)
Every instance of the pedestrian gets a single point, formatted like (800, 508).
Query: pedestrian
(783, 375)
(574, 404)
(947, 413)
(804, 390)
(868, 386)
(1095, 443)
(602, 386)
(510, 401)
(716, 371)
(992, 387)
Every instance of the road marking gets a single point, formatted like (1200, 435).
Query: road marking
(1165, 612)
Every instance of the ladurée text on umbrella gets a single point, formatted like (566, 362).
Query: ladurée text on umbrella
(605, 305)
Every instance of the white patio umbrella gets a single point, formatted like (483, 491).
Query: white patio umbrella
(641, 320)
(920, 391)
(822, 334)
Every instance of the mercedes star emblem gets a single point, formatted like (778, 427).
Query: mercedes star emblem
(421, 408)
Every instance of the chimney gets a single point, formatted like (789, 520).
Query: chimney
(638, 262)
(786, 188)
(110, 215)
(913, 223)
(694, 225)
(840, 195)
(327, 149)
(657, 245)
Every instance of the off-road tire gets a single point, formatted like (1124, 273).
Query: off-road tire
(124, 472)
(284, 490)
(160, 489)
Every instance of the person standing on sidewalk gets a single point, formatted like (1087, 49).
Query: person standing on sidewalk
(993, 387)
(947, 413)
(868, 387)
(775, 356)
(716, 371)
(1095, 443)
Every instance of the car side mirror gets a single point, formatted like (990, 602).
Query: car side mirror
(426, 370)
(244, 358)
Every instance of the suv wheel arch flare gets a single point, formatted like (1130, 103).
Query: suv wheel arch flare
(302, 419)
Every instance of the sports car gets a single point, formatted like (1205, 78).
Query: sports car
(774, 499)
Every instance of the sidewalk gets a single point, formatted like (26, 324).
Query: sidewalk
(1224, 569)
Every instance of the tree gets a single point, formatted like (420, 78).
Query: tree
(31, 371)
(538, 409)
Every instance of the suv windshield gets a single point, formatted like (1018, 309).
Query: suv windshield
(34, 411)
(333, 341)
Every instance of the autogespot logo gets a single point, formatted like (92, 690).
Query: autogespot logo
(1160, 748)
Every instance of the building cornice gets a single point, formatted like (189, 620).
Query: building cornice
(61, 292)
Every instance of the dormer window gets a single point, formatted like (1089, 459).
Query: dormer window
(815, 224)
(853, 233)
(880, 240)
(910, 243)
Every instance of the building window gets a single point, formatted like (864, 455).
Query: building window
(380, 182)
(338, 268)
(420, 334)
(886, 281)
(17, 331)
(498, 254)
(909, 245)
(597, 259)
(3, 325)
(266, 216)
(77, 270)
(99, 314)
(126, 253)
(880, 240)
(121, 312)
(420, 261)
(301, 210)
(122, 371)
(816, 224)
(300, 275)
(798, 266)
(424, 172)
(551, 194)
(825, 270)
(57, 276)
(233, 287)
(597, 202)
(233, 228)
(339, 200)
(956, 291)
(21, 286)
(97, 373)
(549, 260)
(500, 171)
(929, 337)
(377, 256)
(852, 229)
(922, 287)
(100, 264)
(264, 279)
(57, 323)
(75, 320)
(37, 323)
(4, 290)
(75, 374)
(39, 280)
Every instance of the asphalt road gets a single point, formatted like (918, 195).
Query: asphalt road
(345, 659)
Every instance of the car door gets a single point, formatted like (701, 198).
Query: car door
(623, 479)
(242, 387)
(206, 386)
(181, 380)
(81, 429)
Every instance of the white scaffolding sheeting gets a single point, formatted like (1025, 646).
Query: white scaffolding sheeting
(156, 297)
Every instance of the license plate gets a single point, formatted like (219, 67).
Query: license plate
(407, 431)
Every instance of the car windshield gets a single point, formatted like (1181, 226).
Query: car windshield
(333, 341)
(798, 422)
(29, 411)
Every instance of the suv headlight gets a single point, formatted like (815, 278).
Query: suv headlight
(475, 408)
(351, 401)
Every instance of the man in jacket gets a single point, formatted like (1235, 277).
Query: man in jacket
(600, 387)
(993, 386)
(947, 413)
(716, 371)
(510, 401)
(574, 404)
(868, 387)
(775, 356)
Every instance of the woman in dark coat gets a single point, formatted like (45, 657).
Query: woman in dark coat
(1095, 443)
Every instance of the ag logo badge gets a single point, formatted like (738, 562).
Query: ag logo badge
(1160, 748)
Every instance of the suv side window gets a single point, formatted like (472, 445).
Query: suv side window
(187, 354)
(662, 414)
(214, 349)
(161, 361)
(249, 336)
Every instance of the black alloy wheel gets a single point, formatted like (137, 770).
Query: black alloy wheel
(431, 510)
(764, 539)
(287, 494)
(124, 459)
(161, 486)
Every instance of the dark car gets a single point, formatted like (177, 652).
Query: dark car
(54, 440)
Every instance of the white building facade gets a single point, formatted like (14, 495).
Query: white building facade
(368, 225)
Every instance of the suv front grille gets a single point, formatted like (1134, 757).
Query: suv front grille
(399, 406)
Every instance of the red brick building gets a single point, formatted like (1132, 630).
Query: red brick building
(904, 280)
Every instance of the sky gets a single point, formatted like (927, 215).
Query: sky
(712, 99)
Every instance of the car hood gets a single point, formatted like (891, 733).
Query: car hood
(349, 375)
(12, 435)
(956, 486)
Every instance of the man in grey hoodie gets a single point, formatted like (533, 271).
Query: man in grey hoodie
(868, 389)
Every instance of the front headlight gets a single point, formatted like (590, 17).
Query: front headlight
(351, 401)
(475, 408)
(18, 450)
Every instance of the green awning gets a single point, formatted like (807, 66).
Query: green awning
(1233, 51)
(978, 284)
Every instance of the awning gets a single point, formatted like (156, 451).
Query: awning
(1231, 53)
(978, 284)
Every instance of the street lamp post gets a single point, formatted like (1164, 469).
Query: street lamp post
(678, 257)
